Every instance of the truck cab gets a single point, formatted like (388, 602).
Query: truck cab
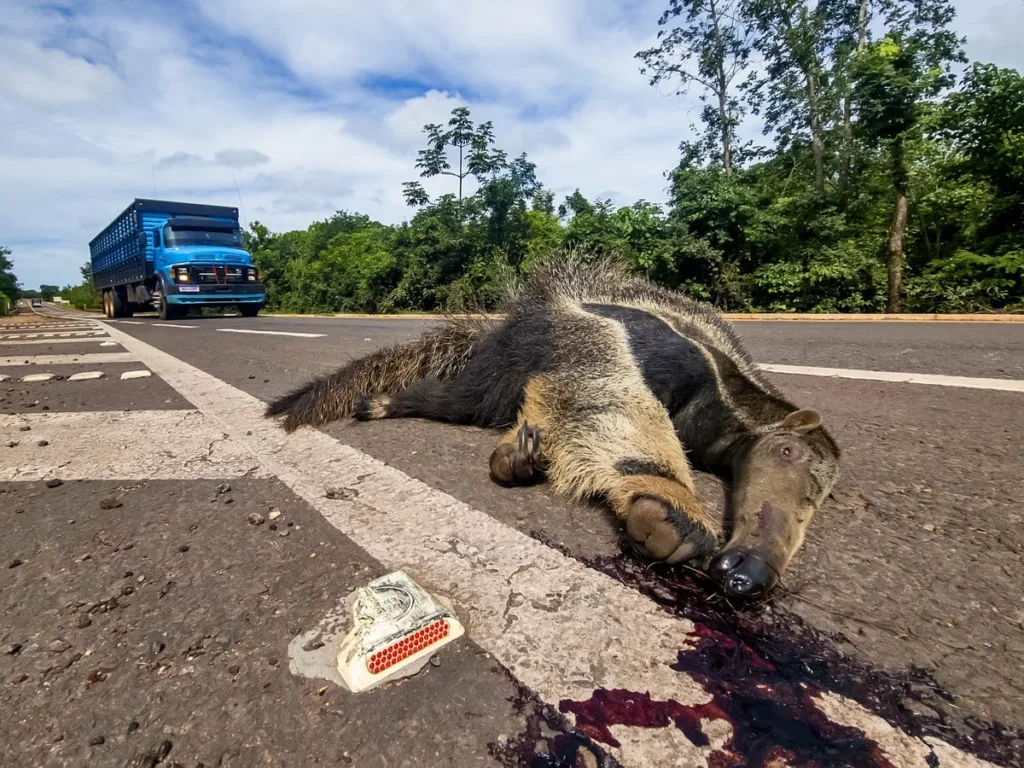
(174, 256)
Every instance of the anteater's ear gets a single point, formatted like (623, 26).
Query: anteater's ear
(802, 421)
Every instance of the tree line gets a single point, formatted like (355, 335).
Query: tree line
(882, 181)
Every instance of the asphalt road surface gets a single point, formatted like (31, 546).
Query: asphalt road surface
(157, 600)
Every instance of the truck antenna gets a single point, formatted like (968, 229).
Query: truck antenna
(241, 207)
(152, 170)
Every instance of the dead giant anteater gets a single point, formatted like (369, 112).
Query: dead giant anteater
(606, 383)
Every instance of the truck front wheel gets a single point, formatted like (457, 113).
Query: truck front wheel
(248, 310)
(170, 311)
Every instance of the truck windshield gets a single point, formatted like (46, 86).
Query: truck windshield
(177, 236)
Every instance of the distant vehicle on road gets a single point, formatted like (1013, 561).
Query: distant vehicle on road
(171, 256)
(37, 302)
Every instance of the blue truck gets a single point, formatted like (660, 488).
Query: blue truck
(170, 257)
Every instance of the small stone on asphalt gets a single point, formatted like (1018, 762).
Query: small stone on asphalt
(183, 548)
(96, 741)
(54, 483)
(43, 443)
(255, 518)
(223, 488)
(25, 428)
(110, 503)
(15, 563)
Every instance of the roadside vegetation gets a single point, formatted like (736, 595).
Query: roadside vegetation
(890, 177)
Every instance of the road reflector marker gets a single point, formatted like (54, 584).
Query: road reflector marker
(34, 377)
(396, 627)
(135, 375)
(86, 376)
(108, 344)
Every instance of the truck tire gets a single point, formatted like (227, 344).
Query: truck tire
(119, 302)
(248, 310)
(169, 311)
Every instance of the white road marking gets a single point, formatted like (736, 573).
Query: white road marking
(86, 376)
(61, 341)
(17, 337)
(34, 377)
(1005, 385)
(53, 327)
(116, 445)
(128, 375)
(91, 358)
(562, 629)
(4, 377)
(273, 333)
(171, 325)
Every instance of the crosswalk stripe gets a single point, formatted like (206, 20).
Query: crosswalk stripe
(119, 445)
(98, 339)
(87, 358)
(564, 630)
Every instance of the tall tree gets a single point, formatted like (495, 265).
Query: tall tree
(894, 78)
(471, 144)
(703, 43)
(792, 37)
(8, 282)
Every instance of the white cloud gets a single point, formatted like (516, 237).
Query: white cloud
(313, 106)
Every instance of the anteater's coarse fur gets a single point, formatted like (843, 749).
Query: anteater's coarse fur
(617, 375)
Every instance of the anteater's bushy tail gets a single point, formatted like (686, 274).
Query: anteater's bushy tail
(440, 352)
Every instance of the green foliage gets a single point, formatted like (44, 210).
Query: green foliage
(859, 128)
(8, 282)
(82, 296)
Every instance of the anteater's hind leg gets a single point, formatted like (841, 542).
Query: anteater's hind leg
(608, 436)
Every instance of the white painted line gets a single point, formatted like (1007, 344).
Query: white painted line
(34, 377)
(52, 327)
(563, 629)
(1005, 385)
(128, 375)
(273, 333)
(4, 377)
(116, 445)
(109, 344)
(90, 358)
(14, 337)
(86, 376)
(59, 341)
(171, 325)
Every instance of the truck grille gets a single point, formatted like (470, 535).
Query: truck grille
(221, 274)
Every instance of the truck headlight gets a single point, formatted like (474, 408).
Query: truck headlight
(252, 273)
(181, 274)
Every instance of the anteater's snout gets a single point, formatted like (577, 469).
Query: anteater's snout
(743, 573)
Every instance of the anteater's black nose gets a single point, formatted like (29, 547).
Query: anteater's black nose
(743, 573)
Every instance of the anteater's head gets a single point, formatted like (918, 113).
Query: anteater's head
(779, 480)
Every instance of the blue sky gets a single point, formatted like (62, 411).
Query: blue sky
(318, 105)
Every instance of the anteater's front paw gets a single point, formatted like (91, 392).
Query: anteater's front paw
(518, 463)
(666, 533)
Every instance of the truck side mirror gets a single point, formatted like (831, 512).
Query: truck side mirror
(142, 240)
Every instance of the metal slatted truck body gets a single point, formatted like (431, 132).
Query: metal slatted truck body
(170, 256)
